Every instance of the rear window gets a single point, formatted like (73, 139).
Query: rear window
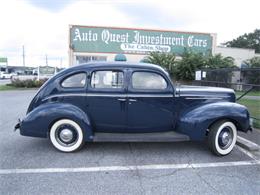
(74, 81)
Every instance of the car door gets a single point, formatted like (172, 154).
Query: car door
(106, 100)
(150, 102)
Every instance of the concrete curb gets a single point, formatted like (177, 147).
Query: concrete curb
(246, 144)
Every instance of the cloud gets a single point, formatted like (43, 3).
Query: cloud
(43, 27)
(228, 19)
(43, 32)
(50, 5)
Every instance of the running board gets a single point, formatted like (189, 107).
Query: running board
(140, 137)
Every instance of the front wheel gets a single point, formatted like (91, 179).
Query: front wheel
(66, 135)
(222, 137)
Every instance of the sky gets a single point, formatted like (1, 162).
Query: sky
(41, 26)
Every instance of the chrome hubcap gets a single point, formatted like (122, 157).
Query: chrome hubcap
(225, 138)
(66, 135)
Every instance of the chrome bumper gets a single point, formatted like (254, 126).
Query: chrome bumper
(18, 125)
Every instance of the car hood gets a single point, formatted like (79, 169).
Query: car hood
(198, 92)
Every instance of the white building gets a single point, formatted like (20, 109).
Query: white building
(92, 43)
(240, 55)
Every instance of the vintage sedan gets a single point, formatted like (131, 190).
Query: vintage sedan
(99, 102)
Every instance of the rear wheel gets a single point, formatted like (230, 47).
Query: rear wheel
(66, 135)
(222, 137)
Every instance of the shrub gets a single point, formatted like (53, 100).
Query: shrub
(28, 83)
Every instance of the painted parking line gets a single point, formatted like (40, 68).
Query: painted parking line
(129, 168)
(247, 140)
(247, 144)
(246, 152)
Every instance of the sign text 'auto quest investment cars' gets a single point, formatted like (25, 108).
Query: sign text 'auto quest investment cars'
(136, 41)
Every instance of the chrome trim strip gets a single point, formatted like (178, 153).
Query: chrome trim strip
(203, 98)
(107, 95)
(150, 95)
(104, 95)
(62, 95)
(193, 95)
(204, 89)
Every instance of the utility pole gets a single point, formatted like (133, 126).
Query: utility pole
(46, 58)
(60, 62)
(23, 57)
(38, 75)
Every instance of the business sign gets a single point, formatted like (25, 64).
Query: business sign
(46, 70)
(137, 41)
(3, 60)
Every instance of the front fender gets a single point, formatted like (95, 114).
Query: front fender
(195, 121)
(38, 122)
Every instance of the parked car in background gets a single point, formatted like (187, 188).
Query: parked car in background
(5, 75)
(103, 101)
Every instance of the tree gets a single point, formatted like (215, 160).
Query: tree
(186, 67)
(253, 62)
(252, 75)
(165, 60)
(249, 41)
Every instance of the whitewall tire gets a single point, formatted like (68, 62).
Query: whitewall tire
(66, 135)
(222, 137)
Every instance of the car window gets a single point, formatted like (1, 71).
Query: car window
(107, 79)
(148, 80)
(76, 80)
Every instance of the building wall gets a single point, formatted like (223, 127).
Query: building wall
(81, 50)
(238, 54)
(87, 43)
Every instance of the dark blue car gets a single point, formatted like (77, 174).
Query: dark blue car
(131, 102)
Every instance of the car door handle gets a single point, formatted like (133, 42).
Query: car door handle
(121, 99)
(132, 100)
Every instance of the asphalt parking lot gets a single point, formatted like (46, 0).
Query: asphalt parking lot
(4, 81)
(33, 166)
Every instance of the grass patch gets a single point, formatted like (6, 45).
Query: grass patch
(253, 108)
(10, 87)
(251, 93)
(6, 87)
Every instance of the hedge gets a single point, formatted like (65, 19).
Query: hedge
(28, 83)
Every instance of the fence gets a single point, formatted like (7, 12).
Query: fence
(245, 81)
(238, 79)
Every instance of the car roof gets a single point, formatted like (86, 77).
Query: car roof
(117, 64)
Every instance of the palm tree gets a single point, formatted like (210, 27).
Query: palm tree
(218, 61)
(165, 60)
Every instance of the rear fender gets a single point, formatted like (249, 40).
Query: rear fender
(38, 122)
(195, 121)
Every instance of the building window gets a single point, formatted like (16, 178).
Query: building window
(85, 59)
